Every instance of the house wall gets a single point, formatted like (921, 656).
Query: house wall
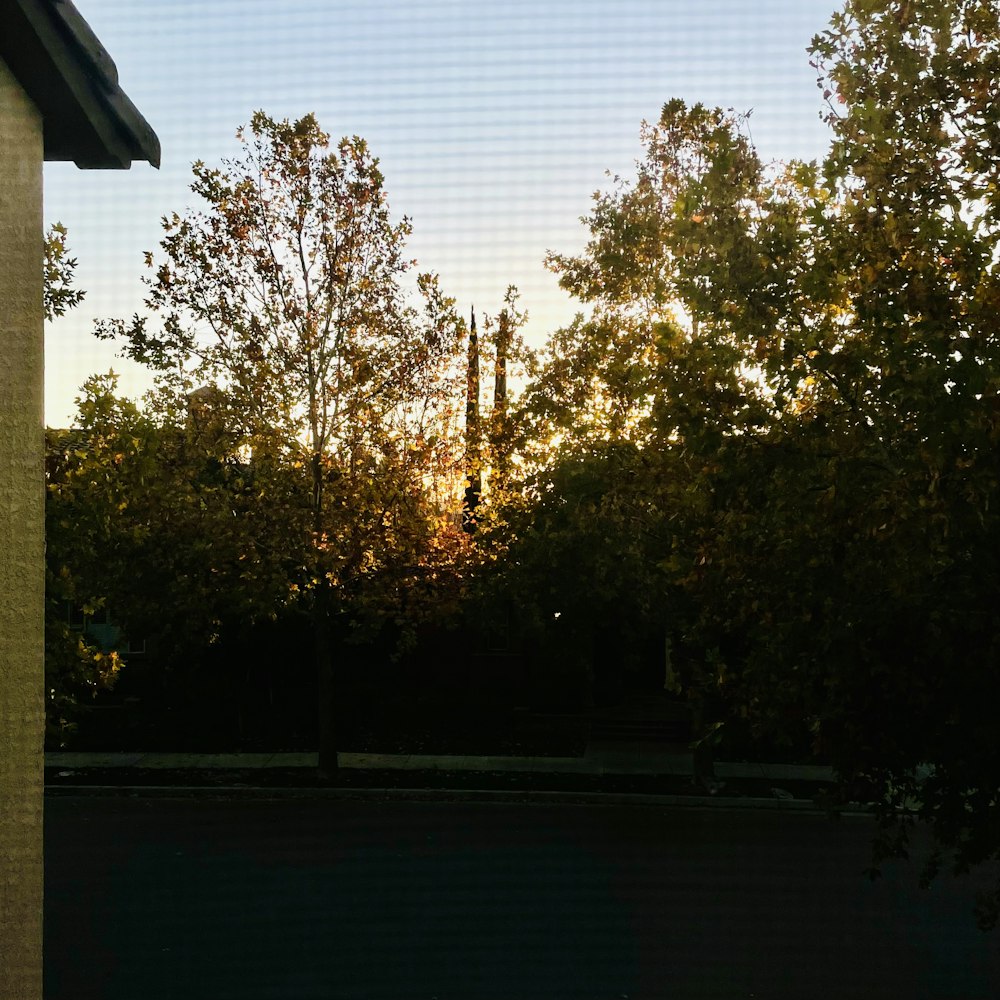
(22, 543)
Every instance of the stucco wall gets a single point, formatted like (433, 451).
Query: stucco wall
(22, 552)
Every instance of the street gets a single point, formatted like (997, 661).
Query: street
(357, 900)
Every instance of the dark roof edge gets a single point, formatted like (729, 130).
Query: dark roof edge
(88, 45)
(83, 60)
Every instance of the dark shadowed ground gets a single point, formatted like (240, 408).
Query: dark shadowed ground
(167, 898)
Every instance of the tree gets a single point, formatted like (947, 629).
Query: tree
(58, 291)
(71, 664)
(912, 166)
(287, 294)
(821, 384)
(666, 364)
(150, 516)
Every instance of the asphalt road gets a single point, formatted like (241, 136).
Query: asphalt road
(349, 900)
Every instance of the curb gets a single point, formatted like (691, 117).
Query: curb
(498, 796)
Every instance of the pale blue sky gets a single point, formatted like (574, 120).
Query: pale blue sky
(494, 124)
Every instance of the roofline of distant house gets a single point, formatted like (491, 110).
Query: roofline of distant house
(72, 80)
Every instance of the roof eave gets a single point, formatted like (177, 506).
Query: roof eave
(72, 79)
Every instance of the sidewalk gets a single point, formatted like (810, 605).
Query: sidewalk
(599, 760)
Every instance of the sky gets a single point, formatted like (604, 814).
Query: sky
(494, 124)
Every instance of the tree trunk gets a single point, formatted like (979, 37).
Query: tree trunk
(323, 656)
(702, 750)
(322, 644)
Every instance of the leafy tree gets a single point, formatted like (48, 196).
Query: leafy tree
(577, 562)
(72, 665)
(857, 568)
(287, 294)
(809, 353)
(911, 166)
(151, 516)
(58, 291)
